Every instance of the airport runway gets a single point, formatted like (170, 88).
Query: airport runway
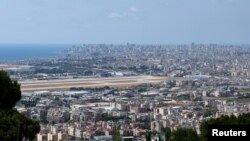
(63, 84)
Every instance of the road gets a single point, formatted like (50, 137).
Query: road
(63, 84)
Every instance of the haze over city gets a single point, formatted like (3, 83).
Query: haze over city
(123, 21)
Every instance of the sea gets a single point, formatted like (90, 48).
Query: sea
(15, 52)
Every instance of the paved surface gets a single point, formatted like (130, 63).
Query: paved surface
(62, 84)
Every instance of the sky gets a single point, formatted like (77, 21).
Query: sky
(125, 21)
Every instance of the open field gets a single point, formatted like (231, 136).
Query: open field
(117, 82)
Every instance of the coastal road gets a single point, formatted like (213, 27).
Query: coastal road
(64, 84)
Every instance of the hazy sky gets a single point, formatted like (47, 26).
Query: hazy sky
(122, 21)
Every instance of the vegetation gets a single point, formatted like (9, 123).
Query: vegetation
(167, 133)
(9, 91)
(183, 134)
(209, 112)
(13, 125)
(244, 96)
(116, 134)
(183, 97)
(106, 117)
(148, 136)
(89, 89)
(243, 119)
(159, 138)
(145, 125)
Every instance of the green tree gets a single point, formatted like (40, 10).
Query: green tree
(13, 125)
(148, 136)
(243, 119)
(167, 133)
(183, 134)
(9, 91)
(159, 138)
(116, 134)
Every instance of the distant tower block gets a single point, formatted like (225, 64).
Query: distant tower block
(204, 93)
